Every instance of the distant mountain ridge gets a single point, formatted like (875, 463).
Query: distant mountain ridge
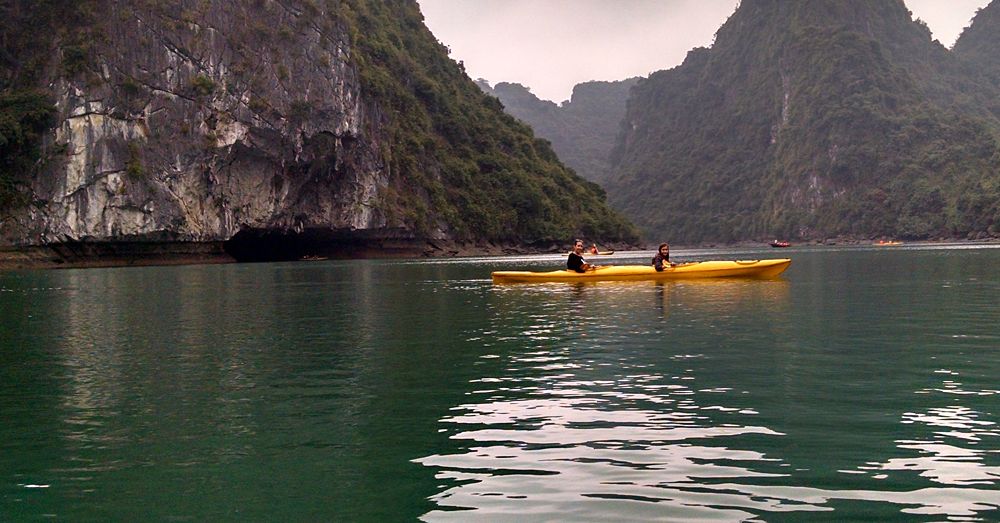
(582, 130)
(816, 119)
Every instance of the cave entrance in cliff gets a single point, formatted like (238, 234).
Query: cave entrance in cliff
(252, 245)
(259, 245)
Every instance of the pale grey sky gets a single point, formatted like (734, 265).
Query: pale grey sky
(552, 45)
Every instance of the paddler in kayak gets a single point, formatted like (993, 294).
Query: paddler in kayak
(662, 258)
(575, 262)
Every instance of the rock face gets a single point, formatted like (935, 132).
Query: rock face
(214, 121)
(194, 136)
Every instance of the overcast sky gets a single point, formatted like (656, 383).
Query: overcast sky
(552, 45)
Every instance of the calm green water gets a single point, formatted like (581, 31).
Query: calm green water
(863, 384)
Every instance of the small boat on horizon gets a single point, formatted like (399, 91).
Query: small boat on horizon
(593, 251)
(777, 243)
(887, 243)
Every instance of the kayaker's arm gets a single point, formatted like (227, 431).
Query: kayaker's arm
(662, 257)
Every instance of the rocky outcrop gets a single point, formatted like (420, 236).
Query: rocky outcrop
(192, 130)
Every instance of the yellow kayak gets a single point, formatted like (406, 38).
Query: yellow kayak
(705, 269)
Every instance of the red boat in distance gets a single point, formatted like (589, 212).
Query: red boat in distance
(776, 243)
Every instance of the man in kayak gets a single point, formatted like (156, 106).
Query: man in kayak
(575, 262)
(662, 258)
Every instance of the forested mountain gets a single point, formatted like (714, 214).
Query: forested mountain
(582, 130)
(280, 125)
(815, 119)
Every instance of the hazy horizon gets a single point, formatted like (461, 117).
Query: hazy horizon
(550, 46)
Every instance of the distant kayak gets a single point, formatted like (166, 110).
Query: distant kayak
(884, 243)
(776, 243)
(692, 270)
(599, 253)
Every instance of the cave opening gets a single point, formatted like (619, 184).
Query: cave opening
(262, 245)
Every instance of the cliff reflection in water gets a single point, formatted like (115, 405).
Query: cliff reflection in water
(149, 359)
(165, 356)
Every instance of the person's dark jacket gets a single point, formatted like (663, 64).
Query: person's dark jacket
(575, 262)
(659, 261)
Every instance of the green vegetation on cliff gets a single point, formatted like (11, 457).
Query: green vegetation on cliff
(810, 120)
(24, 116)
(480, 171)
(30, 31)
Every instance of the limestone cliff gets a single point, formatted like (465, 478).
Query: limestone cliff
(315, 124)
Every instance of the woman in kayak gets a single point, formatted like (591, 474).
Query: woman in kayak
(575, 262)
(662, 258)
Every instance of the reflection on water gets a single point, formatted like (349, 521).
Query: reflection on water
(657, 448)
(577, 442)
(602, 405)
(722, 296)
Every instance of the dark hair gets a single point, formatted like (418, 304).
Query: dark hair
(662, 245)
(577, 241)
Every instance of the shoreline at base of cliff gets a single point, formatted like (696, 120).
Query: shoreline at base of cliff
(138, 254)
(92, 254)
